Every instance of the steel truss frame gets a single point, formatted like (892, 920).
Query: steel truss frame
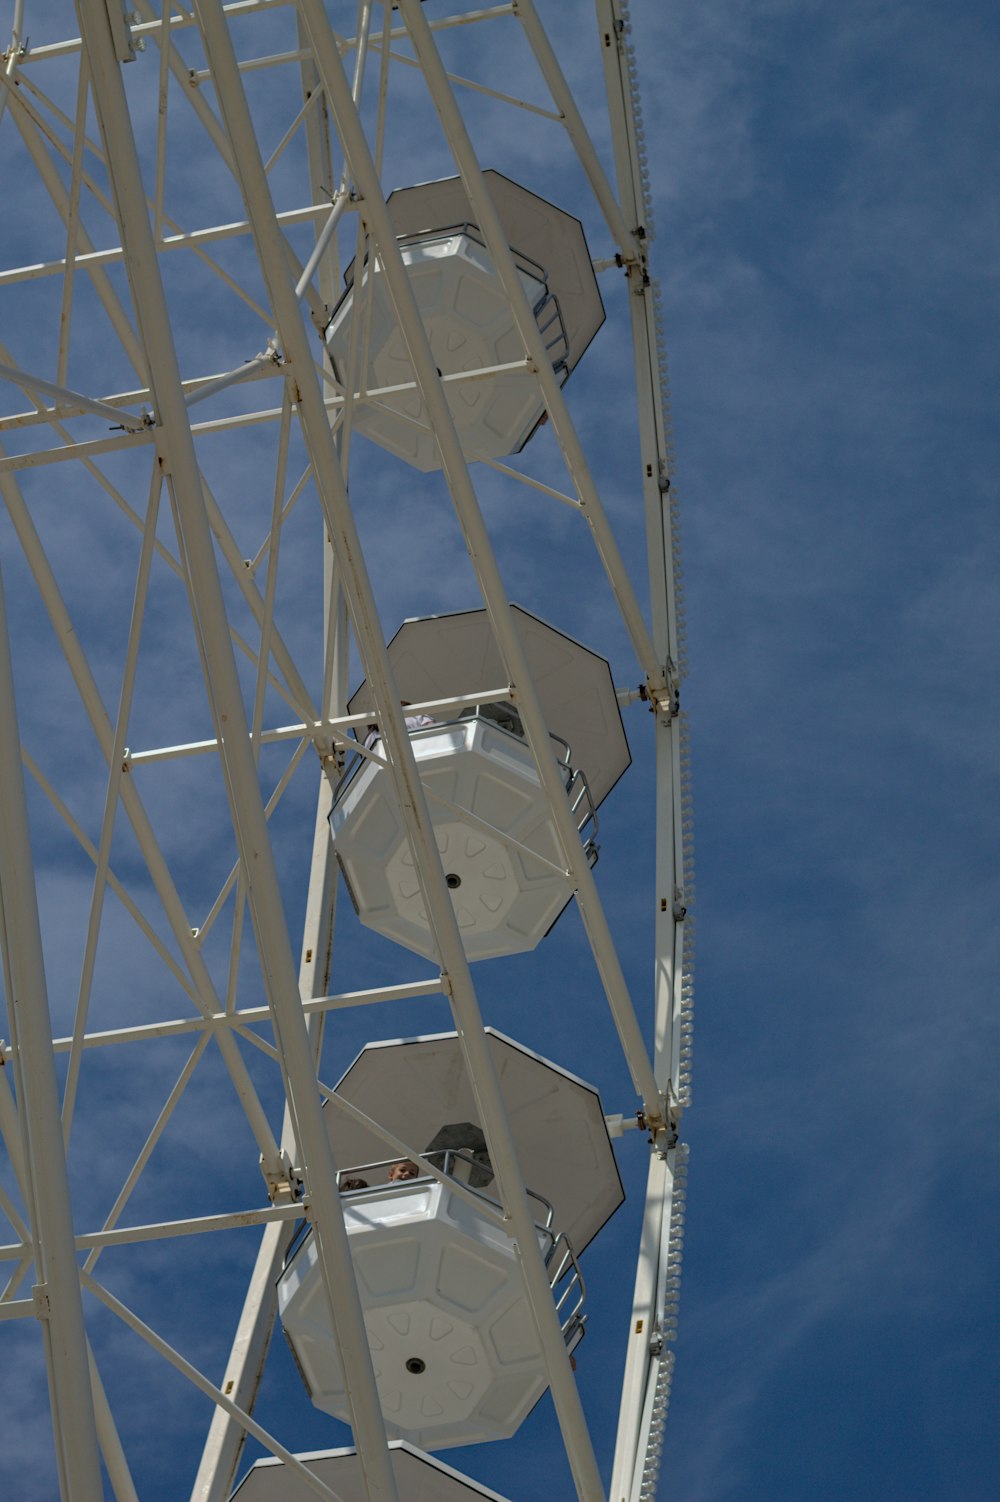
(121, 175)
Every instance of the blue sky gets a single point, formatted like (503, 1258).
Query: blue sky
(826, 240)
(830, 301)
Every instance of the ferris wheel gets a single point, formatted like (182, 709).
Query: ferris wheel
(340, 602)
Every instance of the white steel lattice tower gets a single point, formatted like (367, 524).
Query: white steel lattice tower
(328, 331)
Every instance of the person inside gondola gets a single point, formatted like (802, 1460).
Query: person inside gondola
(405, 1169)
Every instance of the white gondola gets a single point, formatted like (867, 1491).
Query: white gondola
(419, 1478)
(456, 1354)
(492, 820)
(468, 319)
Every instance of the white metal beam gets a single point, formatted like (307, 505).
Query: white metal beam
(358, 588)
(648, 1367)
(246, 807)
(244, 1369)
(58, 1303)
(492, 231)
(476, 535)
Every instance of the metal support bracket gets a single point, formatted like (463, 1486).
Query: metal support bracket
(636, 269)
(284, 1183)
(663, 698)
(664, 1127)
(121, 31)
